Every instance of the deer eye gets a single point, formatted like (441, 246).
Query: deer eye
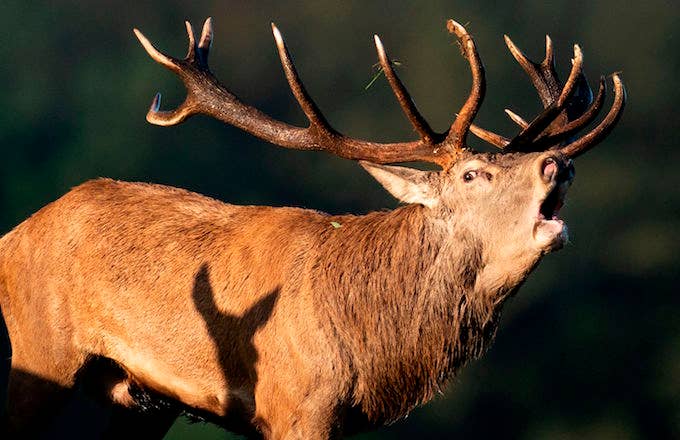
(469, 175)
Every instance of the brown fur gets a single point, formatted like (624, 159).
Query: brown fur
(271, 320)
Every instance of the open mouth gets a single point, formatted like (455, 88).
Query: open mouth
(553, 202)
(550, 231)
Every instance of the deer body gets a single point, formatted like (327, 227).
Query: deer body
(288, 323)
(267, 305)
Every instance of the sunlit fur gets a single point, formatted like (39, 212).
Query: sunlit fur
(277, 322)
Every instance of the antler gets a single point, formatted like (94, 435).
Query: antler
(567, 109)
(206, 95)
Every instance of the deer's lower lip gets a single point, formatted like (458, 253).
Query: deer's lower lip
(551, 234)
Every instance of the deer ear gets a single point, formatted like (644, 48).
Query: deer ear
(406, 184)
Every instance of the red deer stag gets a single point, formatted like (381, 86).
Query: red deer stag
(287, 323)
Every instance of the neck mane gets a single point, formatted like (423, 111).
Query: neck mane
(401, 294)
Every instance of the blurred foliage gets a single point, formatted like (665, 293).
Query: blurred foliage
(590, 348)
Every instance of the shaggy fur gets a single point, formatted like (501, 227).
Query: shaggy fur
(275, 322)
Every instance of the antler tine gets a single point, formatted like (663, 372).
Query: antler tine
(405, 101)
(494, 139)
(168, 117)
(535, 72)
(588, 116)
(191, 51)
(574, 75)
(526, 63)
(303, 98)
(542, 75)
(564, 132)
(549, 60)
(205, 95)
(517, 119)
(205, 43)
(155, 54)
(183, 111)
(190, 105)
(536, 127)
(455, 139)
(596, 135)
(191, 70)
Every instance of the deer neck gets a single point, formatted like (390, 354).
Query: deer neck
(407, 303)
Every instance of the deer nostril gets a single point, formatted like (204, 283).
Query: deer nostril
(550, 168)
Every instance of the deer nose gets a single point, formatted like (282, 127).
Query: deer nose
(554, 168)
(550, 169)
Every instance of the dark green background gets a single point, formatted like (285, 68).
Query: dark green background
(590, 348)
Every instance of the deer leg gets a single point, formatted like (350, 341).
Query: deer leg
(36, 391)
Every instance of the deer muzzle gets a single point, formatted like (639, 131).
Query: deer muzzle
(557, 173)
